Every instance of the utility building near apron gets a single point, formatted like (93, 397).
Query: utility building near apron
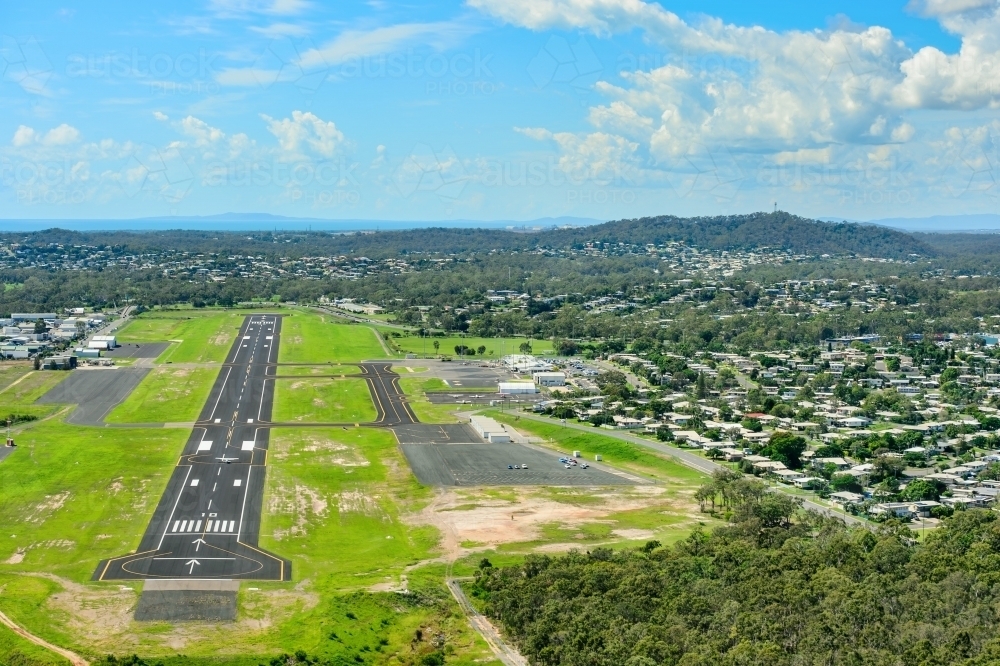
(516, 388)
(489, 430)
(549, 378)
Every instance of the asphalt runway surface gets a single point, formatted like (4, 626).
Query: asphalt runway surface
(95, 392)
(138, 350)
(207, 522)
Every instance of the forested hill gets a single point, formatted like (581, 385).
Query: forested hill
(775, 230)
(734, 232)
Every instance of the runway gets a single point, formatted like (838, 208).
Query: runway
(207, 523)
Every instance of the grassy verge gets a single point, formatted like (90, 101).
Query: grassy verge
(323, 401)
(17, 651)
(166, 395)
(416, 388)
(312, 338)
(21, 386)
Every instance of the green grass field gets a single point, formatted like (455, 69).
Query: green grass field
(166, 395)
(494, 346)
(21, 385)
(323, 401)
(312, 338)
(70, 496)
(317, 370)
(206, 335)
(416, 388)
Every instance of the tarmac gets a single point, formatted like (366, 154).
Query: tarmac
(138, 350)
(95, 392)
(454, 455)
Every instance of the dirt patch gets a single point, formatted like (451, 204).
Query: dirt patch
(355, 501)
(464, 517)
(221, 339)
(116, 486)
(16, 558)
(47, 507)
(391, 585)
(634, 534)
(301, 503)
(325, 451)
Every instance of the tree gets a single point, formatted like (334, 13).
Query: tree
(701, 389)
(464, 350)
(566, 347)
(481, 350)
(437, 345)
(525, 347)
(922, 489)
(40, 326)
(664, 434)
(787, 448)
(845, 483)
(990, 472)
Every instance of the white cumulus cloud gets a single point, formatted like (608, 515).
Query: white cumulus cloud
(62, 135)
(202, 133)
(305, 130)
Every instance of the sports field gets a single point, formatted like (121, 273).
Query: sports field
(326, 400)
(495, 347)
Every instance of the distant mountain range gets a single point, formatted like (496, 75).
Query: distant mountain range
(268, 222)
(753, 231)
(986, 222)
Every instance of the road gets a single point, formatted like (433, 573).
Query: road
(207, 523)
(503, 651)
(696, 462)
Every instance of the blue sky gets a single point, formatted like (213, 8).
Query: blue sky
(490, 109)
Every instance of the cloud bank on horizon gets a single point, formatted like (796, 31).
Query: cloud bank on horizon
(499, 109)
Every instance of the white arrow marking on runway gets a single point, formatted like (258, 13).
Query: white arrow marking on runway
(192, 563)
(197, 543)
